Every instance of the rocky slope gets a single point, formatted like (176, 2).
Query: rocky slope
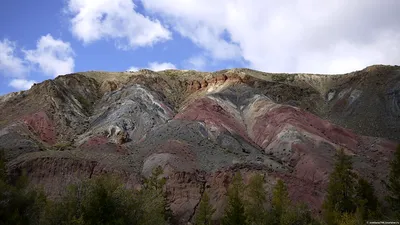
(202, 128)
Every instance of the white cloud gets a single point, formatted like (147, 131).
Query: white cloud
(196, 63)
(115, 19)
(289, 36)
(155, 66)
(53, 56)
(10, 64)
(21, 84)
(133, 69)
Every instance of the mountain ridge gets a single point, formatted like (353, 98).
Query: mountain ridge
(202, 127)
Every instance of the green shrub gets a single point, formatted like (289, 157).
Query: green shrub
(18, 203)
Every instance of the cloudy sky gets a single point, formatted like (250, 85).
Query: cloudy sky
(40, 40)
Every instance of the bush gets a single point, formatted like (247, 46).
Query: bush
(18, 203)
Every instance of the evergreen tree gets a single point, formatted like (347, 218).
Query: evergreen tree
(205, 211)
(234, 211)
(394, 183)
(341, 189)
(299, 214)
(255, 205)
(154, 181)
(99, 201)
(153, 199)
(367, 202)
(280, 202)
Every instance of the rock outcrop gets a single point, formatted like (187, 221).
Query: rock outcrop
(202, 128)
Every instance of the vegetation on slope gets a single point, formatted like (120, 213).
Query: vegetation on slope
(104, 200)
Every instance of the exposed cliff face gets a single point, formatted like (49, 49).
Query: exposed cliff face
(202, 128)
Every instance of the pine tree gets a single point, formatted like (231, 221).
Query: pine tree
(298, 214)
(394, 183)
(101, 200)
(341, 189)
(153, 198)
(255, 205)
(234, 211)
(205, 211)
(367, 202)
(280, 202)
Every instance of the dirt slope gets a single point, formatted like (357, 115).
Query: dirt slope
(202, 128)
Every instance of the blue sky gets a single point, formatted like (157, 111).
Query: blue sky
(42, 39)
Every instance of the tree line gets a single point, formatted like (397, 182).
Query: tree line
(350, 200)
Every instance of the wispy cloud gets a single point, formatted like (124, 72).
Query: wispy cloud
(114, 19)
(21, 84)
(155, 66)
(296, 36)
(53, 56)
(10, 64)
(196, 63)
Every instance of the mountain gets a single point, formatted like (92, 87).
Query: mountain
(202, 128)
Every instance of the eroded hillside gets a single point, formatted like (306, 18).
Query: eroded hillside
(201, 128)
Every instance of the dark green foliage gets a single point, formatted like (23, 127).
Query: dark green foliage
(341, 191)
(349, 219)
(280, 199)
(105, 201)
(100, 201)
(153, 199)
(349, 200)
(366, 200)
(18, 203)
(234, 211)
(255, 206)
(155, 182)
(394, 184)
(205, 211)
(299, 214)
(84, 102)
(283, 212)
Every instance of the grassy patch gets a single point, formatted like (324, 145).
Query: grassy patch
(61, 146)
(84, 102)
(3, 122)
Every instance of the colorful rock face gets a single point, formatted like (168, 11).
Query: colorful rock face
(202, 128)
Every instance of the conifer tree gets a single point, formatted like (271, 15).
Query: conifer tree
(234, 211)
(394, 183)
(255, 205)
(205, 211)
(341, 191)
(153, 198)
(366, 200)
(280, 199)
(280, 202)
